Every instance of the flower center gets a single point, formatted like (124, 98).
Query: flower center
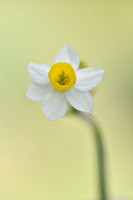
(62, 76)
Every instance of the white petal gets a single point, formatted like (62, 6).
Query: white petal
(39, 73)
(36, 92)
(88, 78)
(80, 100)
(54, 104)
(69, 55)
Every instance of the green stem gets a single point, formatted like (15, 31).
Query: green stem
(100, 154)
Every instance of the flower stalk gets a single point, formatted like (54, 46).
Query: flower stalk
(100, 154)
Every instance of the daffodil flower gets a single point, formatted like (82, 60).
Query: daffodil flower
(63, 82)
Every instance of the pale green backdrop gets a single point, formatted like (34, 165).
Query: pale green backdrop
(40, 159)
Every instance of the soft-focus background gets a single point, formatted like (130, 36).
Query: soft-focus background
(40, 159)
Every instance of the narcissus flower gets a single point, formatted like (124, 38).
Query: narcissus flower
(54, 86)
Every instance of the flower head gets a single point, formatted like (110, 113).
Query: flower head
(54, 86)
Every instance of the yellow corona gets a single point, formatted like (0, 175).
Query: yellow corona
(62, 76)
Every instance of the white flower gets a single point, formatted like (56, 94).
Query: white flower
(63, 82)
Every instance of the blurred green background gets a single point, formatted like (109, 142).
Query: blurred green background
(40, 159)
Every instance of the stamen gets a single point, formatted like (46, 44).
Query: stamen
(64, 74)
(57, 79)
(65, 81)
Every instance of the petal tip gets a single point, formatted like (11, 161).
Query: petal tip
(30, 63)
